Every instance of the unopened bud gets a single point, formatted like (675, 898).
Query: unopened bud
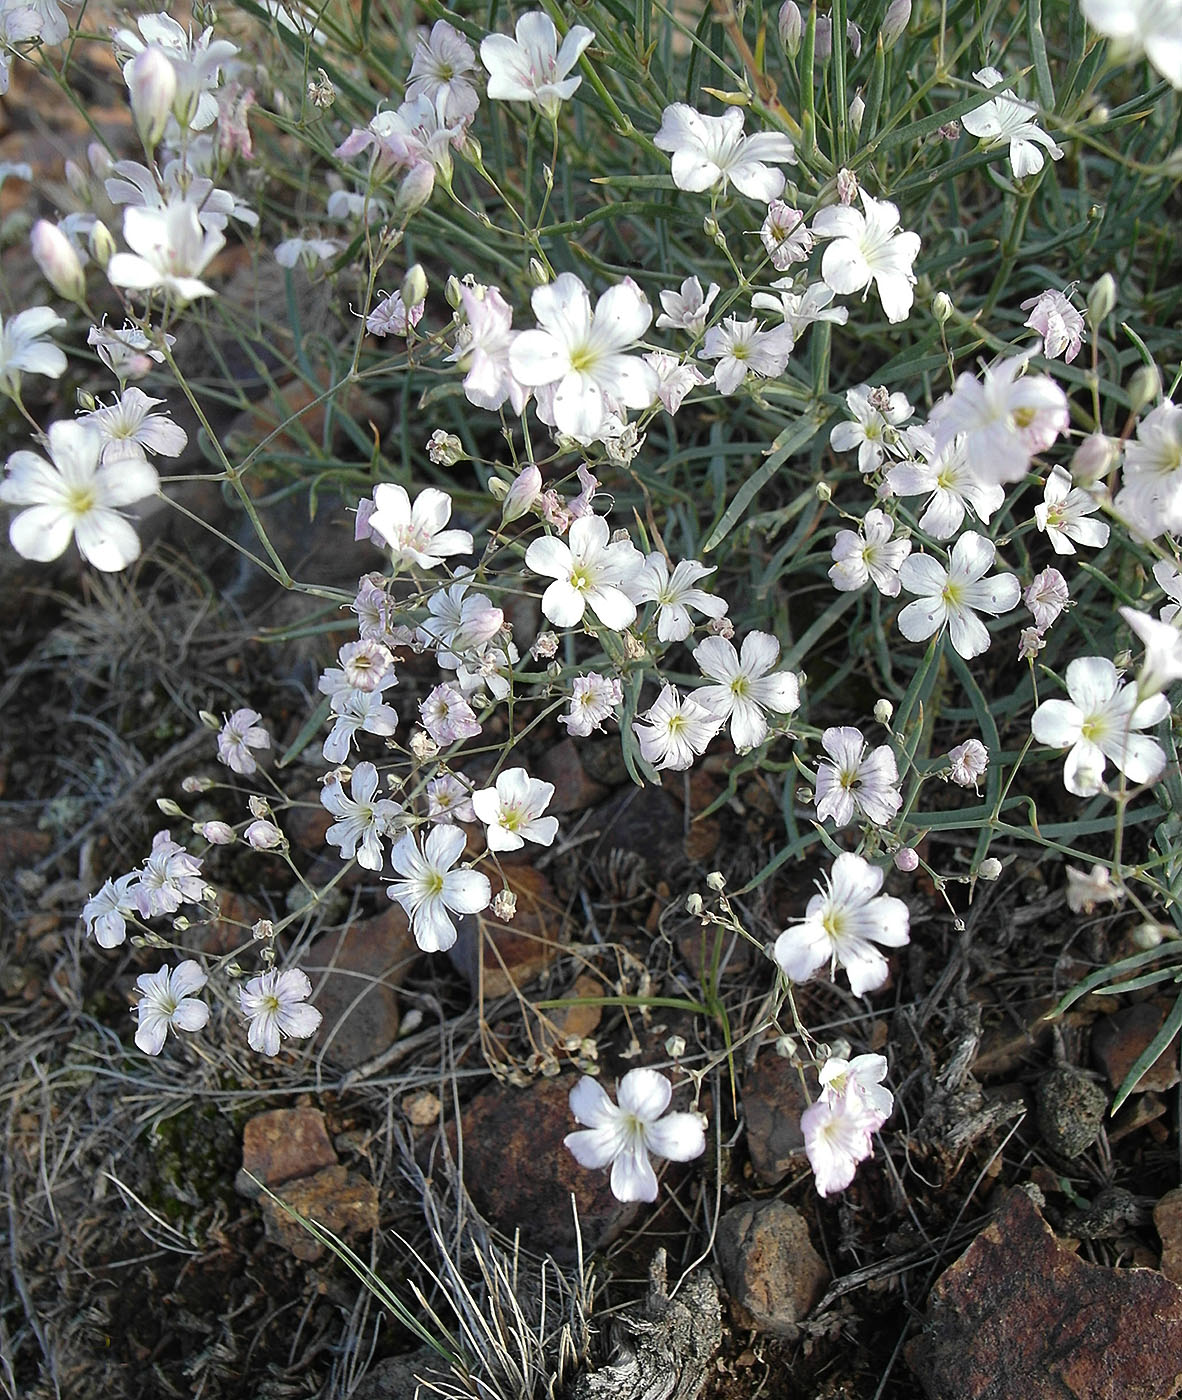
(675, 1047)
(847, 186)
(824, 492)
(1148, 935)
(896, 20)
(263, 836)
(694, 904)
(102, 243)
(195, 784)
(906, 859)
(989, 869)
(942, 307)
(823, 39)
(78, 181)
(414, 286)
(857, 111)
(452, 292)
(539, 273)
(169, 807)
(152, 87)
(1092, 459)
(414, 191)
(884, 711)
(791, 26)
(216, 833)
(210, 721)
(1144, 386)
(59, 262)
(1101, 299)
(716, 880)
(522, 495)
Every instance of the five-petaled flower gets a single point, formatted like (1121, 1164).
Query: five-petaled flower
(533, 68)
(856, 781)
(512, 811)
(1005, 120)
(274, 1005)
(431, 890)
(415, 532)
(869, 248)
(241, 733)
(744, 691)
(953, 596)
(709, 151)
(167, 999)
(589, 571)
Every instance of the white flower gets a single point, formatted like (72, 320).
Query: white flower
(458, 622)
(482, 350)
(533, 68)
(675, 378)
(273, 1004)
(581, 354)
(24, 349)
(869, 554)
(1007, 120)
(171, 250)
(1152, 27)
(952, 597)
(432, 891)
(127, 353)
(166, 999)
(1097, 724)
(856, 781)
(785, 236)
(512, 811)
(800, 309)
(417, 137)
(241, 733)
(311, 252)
(588, 572)
(447, 716)
(105, 914)
(263, 835)
(1046, 597)
(627, 1135)
(674, 595)
(1162, 665)
(853, 1104)
(415, 533)
(170, 877)
(860, 1080)
(740, 348)
(196, 62)
(74, 496)
(1006, 417)
(841, 926)
(876, 415)
(675, 730)
(709, 151)
(744, 689)
(1058, 322)
(954, 488)
(869, 248)
(441, 63)
(354, 709)
(361, 821)
(1169, 580)
(1087, 889)
(1063, 515)
(129, 429)
(687, 310)
(449, 799)
(1151, 495)
(594, 699)
(969, 762)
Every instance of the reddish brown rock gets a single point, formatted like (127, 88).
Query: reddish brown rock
(574, 790)
(282, 1145)
(342, 1202)
(521, 1176)
(773, 1100)
(1167, 1217)
(1119, 1039)
(497, 956)
(772, 1272)
(229, 929)
(20, 846)
(1020, 1317)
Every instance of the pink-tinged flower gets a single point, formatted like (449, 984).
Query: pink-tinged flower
(197, 64)
(365, 665)
(274, 1006)
(449, 799)
(837, 1128)
(871, 554)
(458, 623)
(418, 136)
(1087, 889)
(487, 668)
(951, 486)
(1046, 597)
(1030, 642)
(869, 248)
(969, 762)
(170, 877)
(741, 348)
(512, 811)
(1006, 416)
(441, 63)
(361, 820)
(675, 730)
(1006, 120)
(58, 260)
(579, 354)
(1151, 494)
(785, 236)
(216, 833)
(952, 597)
(687, 310)
(625, 1136)
(745, 691)
(241, 733)
(675, 378)
(447, 716)
(1064, 514)
(1169, 580)
(674, 594)
(856, 781)
(1141, 26)
(1162, 665)
(263, 835)
(842, 925)
(128, 429)
(391, 316)
(482, 350)
(712, 151)
(533, 68)
(594, 699)
(1096, 724)
(800, 309)
(127, 353)
(876, 416)
(24, 348)
(167, 999)
(415, 533)
(523, 495)
(588, 572)
(170, 250)
(75, 496)
(432, 890)
(105, 914)
(1058, 322)
(353, 710)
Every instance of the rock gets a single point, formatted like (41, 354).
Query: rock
(399, 1377)
(498, 957)
(1020, 1317)
(229, 928)
(574, 791)
(281, 1145)
(1167, 1217)
(1119, 1039)
(20, 846)
(773, 1100)
(1071, 1107)
(576, 1020)
(521, 1177)
(772, 1272)
(337, 1199)
(355, 974)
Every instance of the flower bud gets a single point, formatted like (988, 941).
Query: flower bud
(824, 492)
(102, 243)
(1146, 936)
(847, 186)
(989, 869)
(716, 880)
(414, 191)
(169, 807)
(99, 159)
(539, 273)
(1144, 386)
(152, 87)
(857, 111)
(1092, 459)
(1102, 299)
(694, 903)
(78, 181)
(414, 286)
(906, 859)
(195, 784)
(942, 307)
(675, 1047)
(452, 292)
(216, 833)
(884, 711)
(823, 38)
(791, 25)
(897, 17)
(263, 836)
(58, 261)
(522, 495)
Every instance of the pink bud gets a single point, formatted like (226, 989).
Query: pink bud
(522, 494)
(217, 833)
(263, 835)
(906, 859)
(58, 261)
(151, 82)
(414, 192)
(791, 25)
